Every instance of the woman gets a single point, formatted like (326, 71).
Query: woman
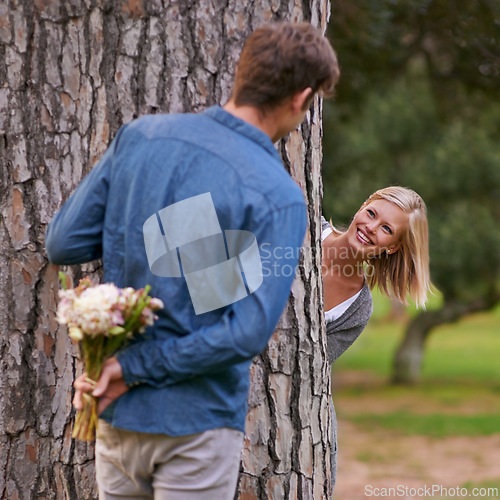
(386, 245)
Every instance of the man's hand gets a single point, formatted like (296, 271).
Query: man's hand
(109, 387)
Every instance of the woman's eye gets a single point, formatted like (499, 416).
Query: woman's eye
(388, 229)
(371, 213)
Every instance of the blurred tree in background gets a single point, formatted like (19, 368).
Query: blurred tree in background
(419, 105)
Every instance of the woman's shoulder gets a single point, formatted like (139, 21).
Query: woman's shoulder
(357, 315)
(365, 299)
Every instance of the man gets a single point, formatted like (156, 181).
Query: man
(182, 202)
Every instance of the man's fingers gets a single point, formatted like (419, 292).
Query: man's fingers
(82, 384)
(77, 400)
(109, 386)
(111, 371)
(102, 384)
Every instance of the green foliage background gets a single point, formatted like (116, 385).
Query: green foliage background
(419, 105)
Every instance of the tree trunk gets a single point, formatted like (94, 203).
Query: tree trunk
(71, 72)
(408, 358)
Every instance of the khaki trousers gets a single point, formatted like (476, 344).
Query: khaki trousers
(144, 466)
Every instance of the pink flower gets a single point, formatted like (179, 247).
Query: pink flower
(155, 304)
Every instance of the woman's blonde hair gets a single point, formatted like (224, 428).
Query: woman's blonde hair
(405, 272)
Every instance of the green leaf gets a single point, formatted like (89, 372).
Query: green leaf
(63, 280)
(117, 330)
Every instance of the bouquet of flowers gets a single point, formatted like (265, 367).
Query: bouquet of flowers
(101, 318)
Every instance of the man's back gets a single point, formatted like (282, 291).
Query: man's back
(174, 190)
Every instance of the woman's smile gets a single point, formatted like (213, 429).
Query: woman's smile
(363, 238)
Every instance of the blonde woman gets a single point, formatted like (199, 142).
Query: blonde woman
(385, 246)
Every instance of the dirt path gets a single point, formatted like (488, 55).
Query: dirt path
(380, 458)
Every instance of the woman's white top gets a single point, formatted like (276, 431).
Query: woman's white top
(328, 230)
(339, 309)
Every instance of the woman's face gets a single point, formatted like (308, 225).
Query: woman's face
(376, 228)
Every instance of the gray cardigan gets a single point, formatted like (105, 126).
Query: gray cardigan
(343, 331)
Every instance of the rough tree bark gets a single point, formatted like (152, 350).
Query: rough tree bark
(71, 72)
(407, 361)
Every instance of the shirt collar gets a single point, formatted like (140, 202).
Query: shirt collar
(244, 128)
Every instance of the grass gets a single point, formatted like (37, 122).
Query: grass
(468, 350)
(432, 425)
(459, 393)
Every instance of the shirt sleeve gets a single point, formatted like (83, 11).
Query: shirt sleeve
(245, 327)
(74, 235)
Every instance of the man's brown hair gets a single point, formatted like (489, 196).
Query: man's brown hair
(279, 60)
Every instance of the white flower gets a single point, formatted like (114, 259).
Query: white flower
(103, 310)
(75, 334)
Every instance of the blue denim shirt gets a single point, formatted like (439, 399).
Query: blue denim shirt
(190, 372)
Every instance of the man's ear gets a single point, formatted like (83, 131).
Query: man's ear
(301, 100)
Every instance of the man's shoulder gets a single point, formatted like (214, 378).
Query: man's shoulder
(224, 151)
(157, 125)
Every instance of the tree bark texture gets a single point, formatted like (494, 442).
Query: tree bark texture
(71, 73)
